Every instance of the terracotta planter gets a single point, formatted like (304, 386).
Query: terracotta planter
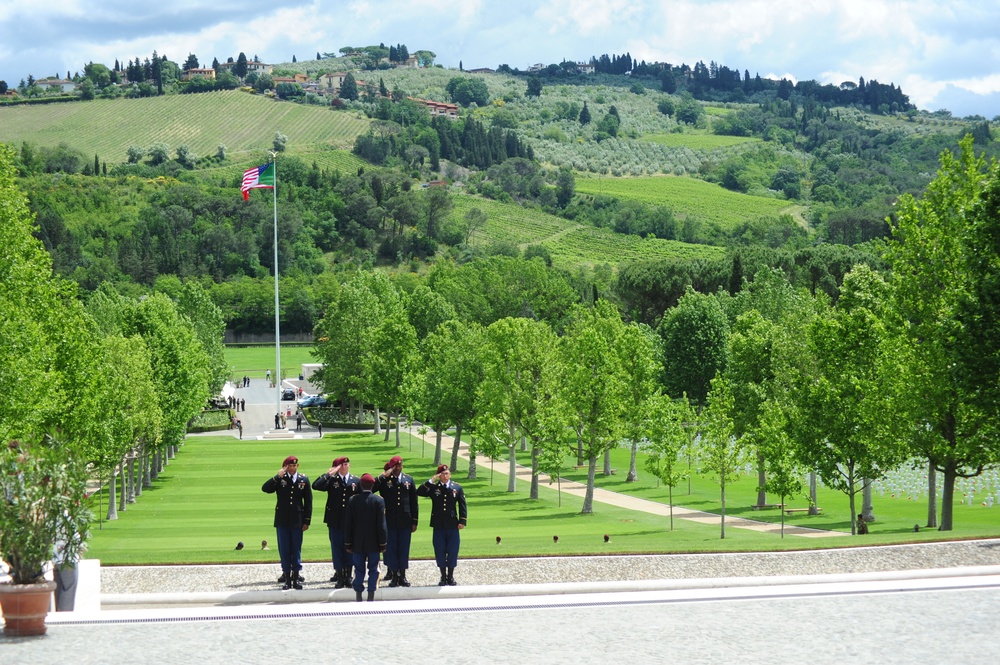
(25, 607)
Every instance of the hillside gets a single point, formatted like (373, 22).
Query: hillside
(570, 244)
(688, 197)
(244, 123)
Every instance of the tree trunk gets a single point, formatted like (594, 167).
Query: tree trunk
(437, 445)
(512, 471)
(607, 461)
(852, 494)
(813, 508)
(579, 450)
(171, 454)
(722, 522)
(761, 479)
(867, 509)
(472, 466)
(398, 444)
(524, 443)
(588, 498)
(670, 498)
(378, 422)
(112, 508)
(131, 479)
(632, 475)
(123, 495)
(454, 448)
(948, 497)
(931, 496)
(533, 494)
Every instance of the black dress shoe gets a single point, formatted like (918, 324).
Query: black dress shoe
(286, 586)
(282, 579)
(359, 595)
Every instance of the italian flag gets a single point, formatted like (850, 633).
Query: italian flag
(257, 177)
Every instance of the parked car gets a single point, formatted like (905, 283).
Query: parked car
(288, 393)
(312, 400)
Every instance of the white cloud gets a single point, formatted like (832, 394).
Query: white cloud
(929, 47)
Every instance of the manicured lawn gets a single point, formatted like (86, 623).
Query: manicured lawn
(254, 361)
(209, 498)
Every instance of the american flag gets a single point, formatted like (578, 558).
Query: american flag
(258, 176)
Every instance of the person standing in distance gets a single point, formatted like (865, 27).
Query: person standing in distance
(340, 486)
(365, 535)
(448, 517)
(401, 512)
(292, 515)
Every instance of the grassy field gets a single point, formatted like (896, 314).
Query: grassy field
(687, 197)
(569, 243)
(588, 245)
(244, 123)
(209, 498)
(254, 361)
(697, 141)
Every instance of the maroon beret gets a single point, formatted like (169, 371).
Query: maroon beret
(367, 481)
(291, 459)
(340, 460)
(393, 462)
(443, 468)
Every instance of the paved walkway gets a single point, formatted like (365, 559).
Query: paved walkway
(624, 500)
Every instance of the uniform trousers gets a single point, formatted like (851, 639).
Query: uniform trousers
(397, 548)
(446, 542)
(364, 560)
(341, 559)
(289, 548)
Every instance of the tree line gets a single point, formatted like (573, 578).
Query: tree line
(894, 370)
(115, 378)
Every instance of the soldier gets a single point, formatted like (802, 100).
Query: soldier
(365, 535)
(292, 515)
(400, 494)
(448, 518)
(340, 486)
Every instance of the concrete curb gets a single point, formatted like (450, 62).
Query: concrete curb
(277, 597)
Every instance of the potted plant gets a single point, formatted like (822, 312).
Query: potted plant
(43, 512)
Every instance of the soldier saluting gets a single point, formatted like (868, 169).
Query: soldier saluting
(292, 514)
(401, 510)
(448, 517)
(340, 486)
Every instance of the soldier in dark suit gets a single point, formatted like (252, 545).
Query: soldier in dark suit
(340, 486)
(292, 515)
(448, 518)
(401, 511)
(365, 535)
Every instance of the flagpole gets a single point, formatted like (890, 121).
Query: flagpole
(277, 311)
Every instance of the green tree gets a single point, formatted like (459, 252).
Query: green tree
(518, 389)
(534, 87)
(594, 383)
(722, 453)
(453, 368)
(843, 398)
(348, 88)
(240, 68)
(943, 256)
(584, 115)
(694, 345)
(667, 427)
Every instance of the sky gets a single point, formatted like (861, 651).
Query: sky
(945, 54)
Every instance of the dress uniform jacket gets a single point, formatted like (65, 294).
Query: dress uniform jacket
(338, 492)
(400, 495)
(294, 505)
(448, 508)
(364, 524)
